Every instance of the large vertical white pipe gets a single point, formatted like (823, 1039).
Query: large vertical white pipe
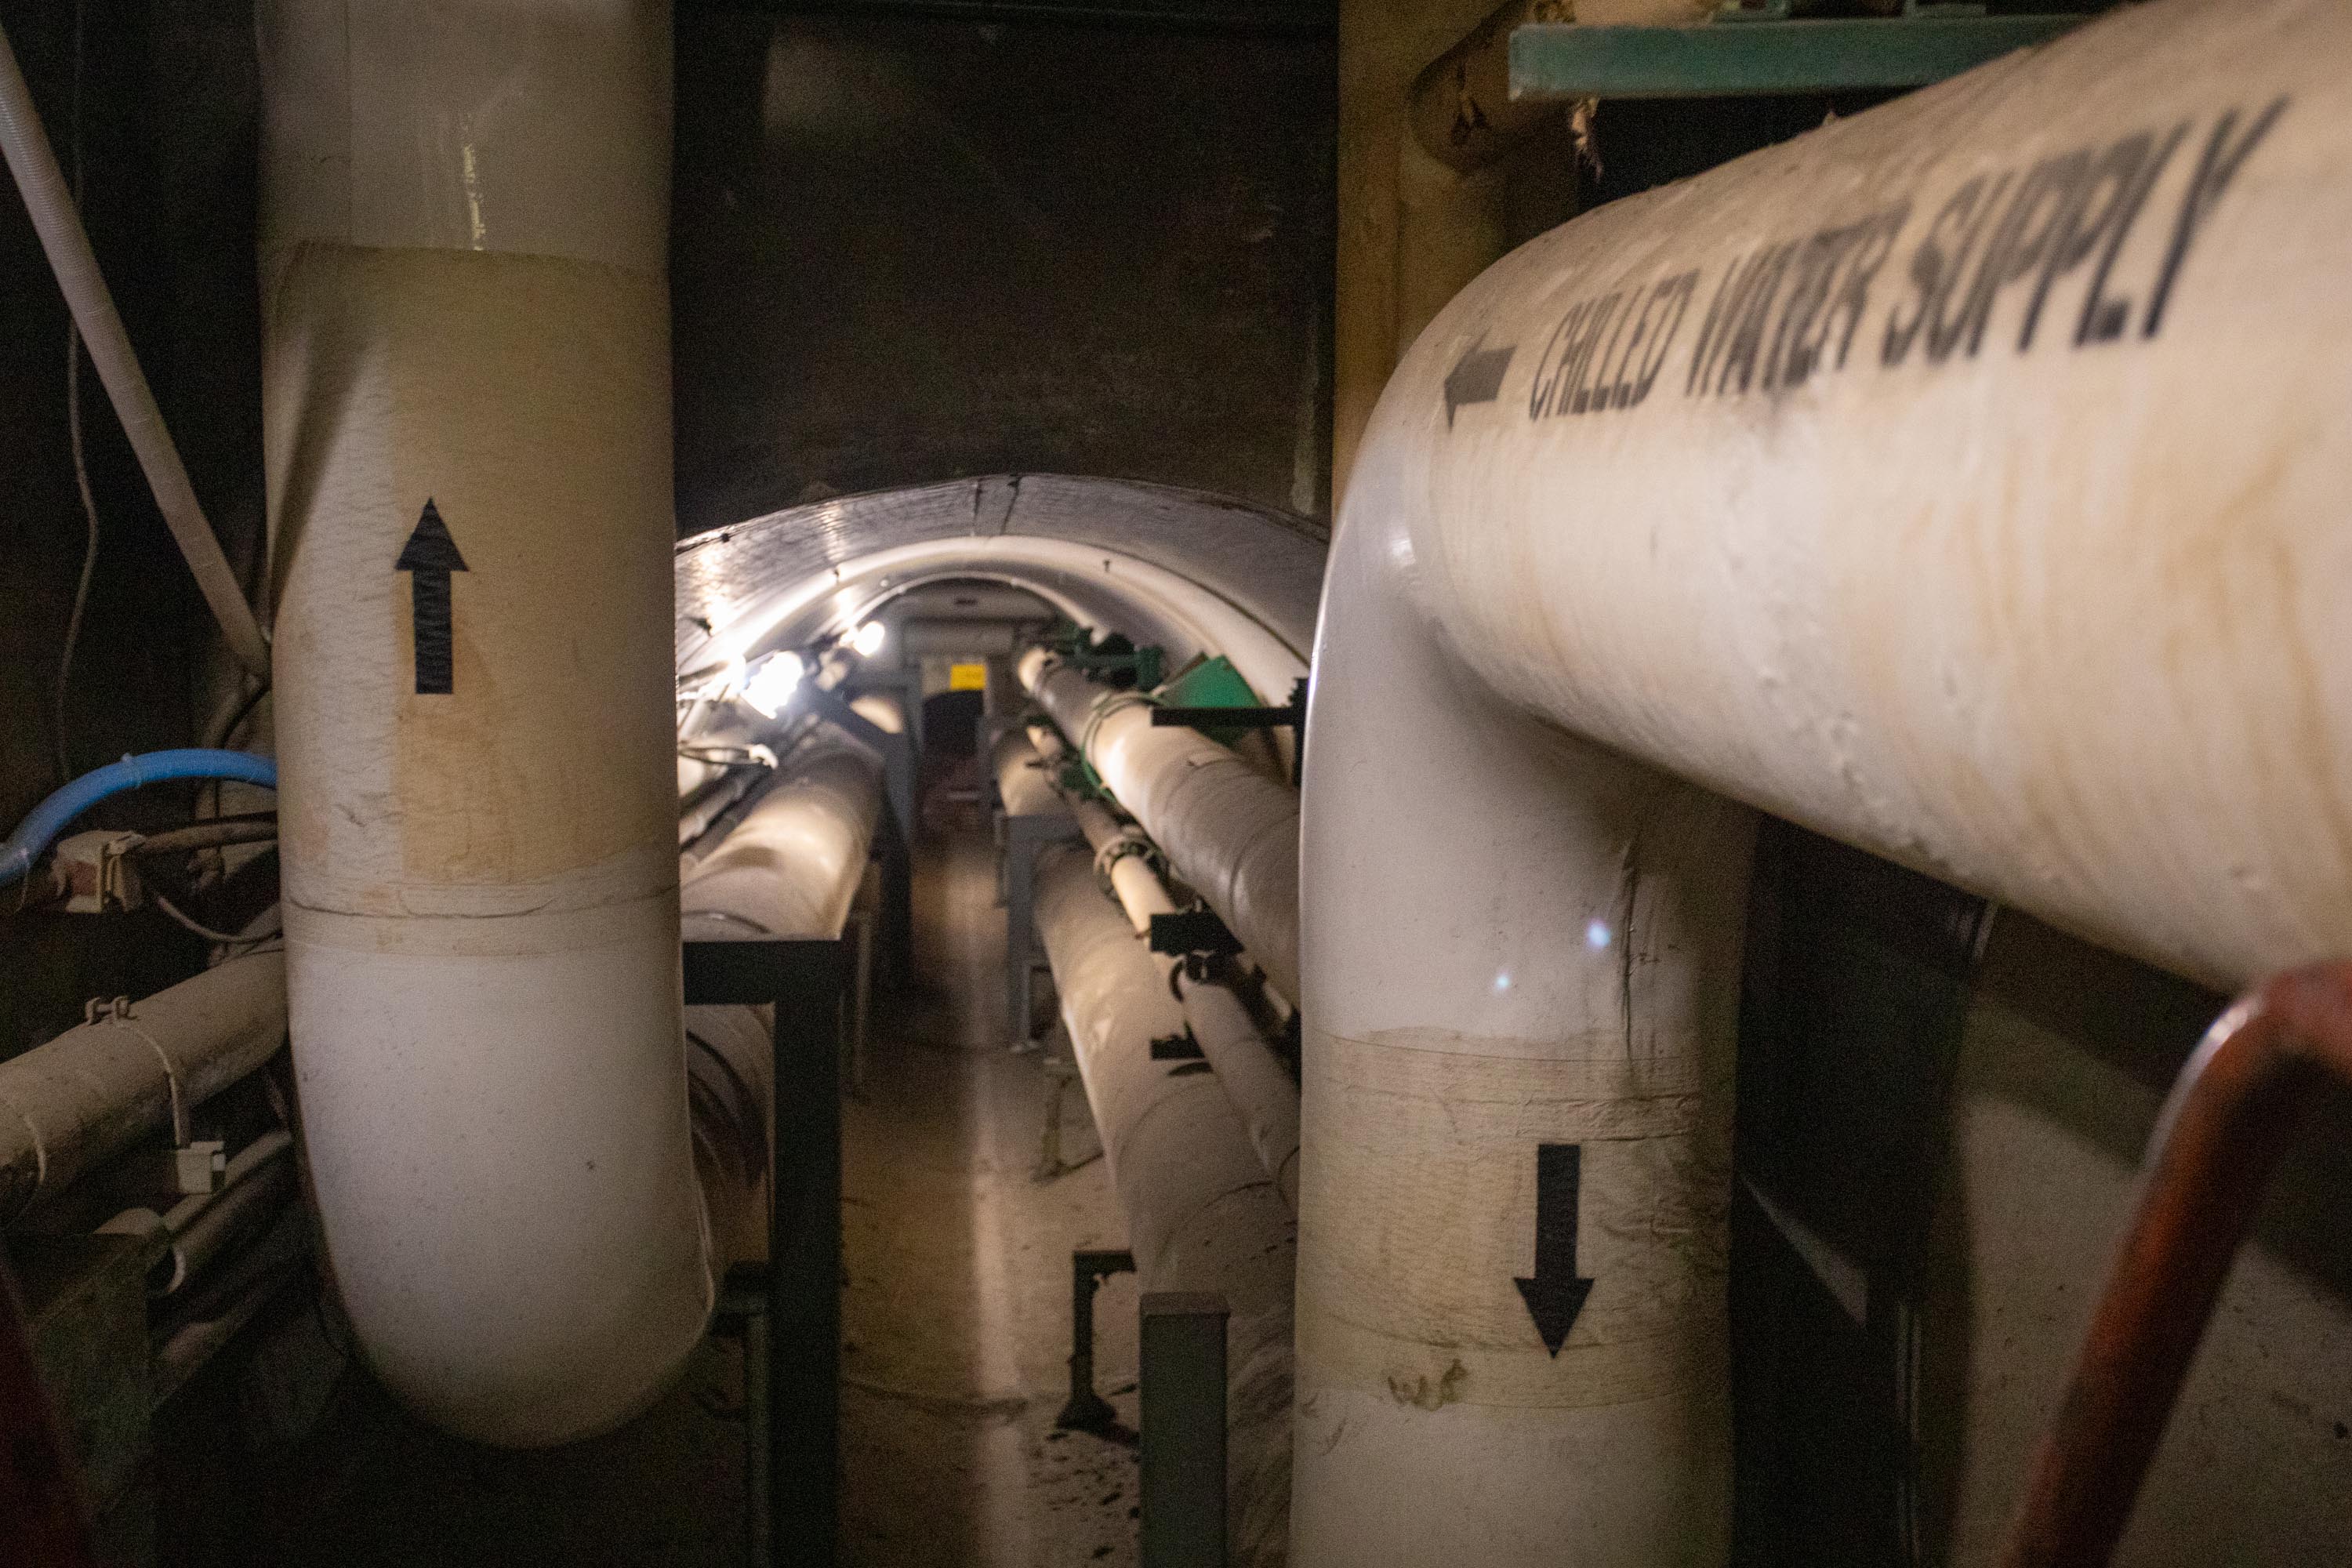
(464, 217)
(1518, 941)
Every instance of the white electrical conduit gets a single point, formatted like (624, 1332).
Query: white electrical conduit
(1201, 1213)
(1256, 1083)
(1963, 480)
(1229, 830)
(466, 413)
(50, 203)
(74, 1103)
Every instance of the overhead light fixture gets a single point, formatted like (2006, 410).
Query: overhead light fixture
(869, 639)
(773, 680)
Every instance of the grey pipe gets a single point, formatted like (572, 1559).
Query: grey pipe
(51, 206)
(1201, 1213)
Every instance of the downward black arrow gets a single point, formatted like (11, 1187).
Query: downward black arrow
(1556, 1294)
(1478, 378)
(428, 557)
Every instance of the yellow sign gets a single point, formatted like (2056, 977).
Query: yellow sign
(967, 678)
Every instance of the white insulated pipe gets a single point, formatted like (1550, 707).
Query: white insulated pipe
(74, 1103)
(792, 864)
(791, 868)
(465, 394)
(1962, 479)
(1256, 1085)
(1228, 828)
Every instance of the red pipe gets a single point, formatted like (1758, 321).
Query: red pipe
(2230, 1115)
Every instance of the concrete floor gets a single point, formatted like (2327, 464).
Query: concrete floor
(957, 1312)
(956, 1318)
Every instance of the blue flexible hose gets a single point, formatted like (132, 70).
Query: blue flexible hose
(41, 825)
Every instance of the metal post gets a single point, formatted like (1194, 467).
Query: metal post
(1183, 1397)
(805, 1253)
(743, 1306)
(805, 982)
(1086, 1410)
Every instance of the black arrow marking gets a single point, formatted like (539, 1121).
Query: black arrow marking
(1555, 1295)
(1478, 378)
(428, 557)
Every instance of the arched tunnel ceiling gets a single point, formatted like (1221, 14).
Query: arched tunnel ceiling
(738, 584)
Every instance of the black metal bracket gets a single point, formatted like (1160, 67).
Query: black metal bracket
(1189, 931)
(1291, 715)
(1087, 1410)
(805, 982)
(1181, 1048)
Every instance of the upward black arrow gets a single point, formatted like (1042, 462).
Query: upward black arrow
(1555, 1295)
(428, 558)
(1477, 377)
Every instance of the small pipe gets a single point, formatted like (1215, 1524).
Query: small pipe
(194, 1229)
(219, 833)
(51, 206)
(2232, 1112)
(1461, 107)
(46, 821)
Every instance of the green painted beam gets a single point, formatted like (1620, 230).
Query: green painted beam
(1729, 59)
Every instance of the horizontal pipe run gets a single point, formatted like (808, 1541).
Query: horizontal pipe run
(1228, 829)
(1201, 1213)
(1262, 1093)
(57, 221)
(88, 1095)
(1256, 1084)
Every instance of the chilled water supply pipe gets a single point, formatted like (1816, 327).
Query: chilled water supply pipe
(1228, 828)
(1202, 1214)
(467, 412)
(1963, 480)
